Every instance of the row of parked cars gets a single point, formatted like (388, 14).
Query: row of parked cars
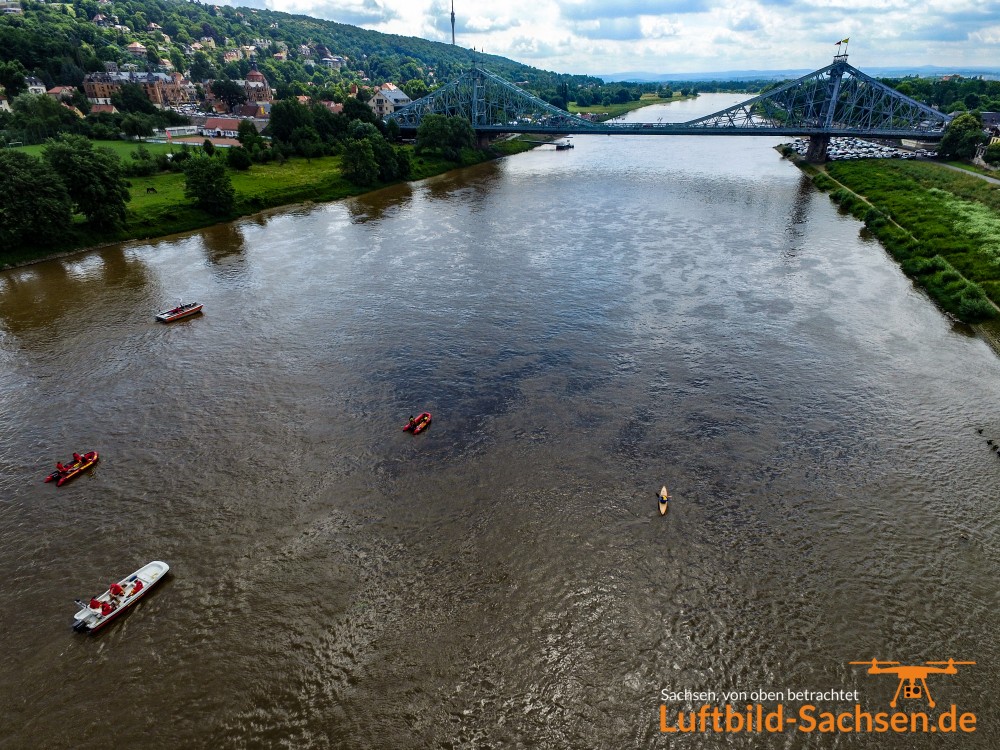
(859, 148)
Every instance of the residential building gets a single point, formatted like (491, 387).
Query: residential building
(161, 89)
(62, 93)
(387, 101)
(35, 86)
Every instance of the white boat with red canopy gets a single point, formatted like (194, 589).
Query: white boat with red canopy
(119, 597)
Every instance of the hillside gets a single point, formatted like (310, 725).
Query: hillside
(60, 42)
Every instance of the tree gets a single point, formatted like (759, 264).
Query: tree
(449, 135)
(94, 178)
(359, 164)
(286, 116)
(355, 109)
(961, 138)
(36, 117)
(36, 209)
(415, 88)
(306, 141)
(131, 98)
(201, 67)
(992, 155)
(238, 158)
(12, 75)
(137, 126)
(229, 91)
(247, 135)
(208, 184)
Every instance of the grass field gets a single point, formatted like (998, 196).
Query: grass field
(123, 148)
(942, 226)
(158, 206)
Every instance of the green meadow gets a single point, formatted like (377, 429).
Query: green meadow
(942, 226)
(158, 206)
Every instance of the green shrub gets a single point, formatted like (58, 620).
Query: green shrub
(823, 182)
(239, 158)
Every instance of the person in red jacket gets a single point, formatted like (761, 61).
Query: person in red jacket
(116, 589)
(107, 609)
(137, 588)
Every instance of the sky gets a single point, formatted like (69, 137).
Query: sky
(598, 37)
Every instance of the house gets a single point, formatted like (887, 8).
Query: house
(111, 109)
(386, 102)
(4, 104)
(61, 93)
(10, 8)
(136, 49)
(991, 124)
(220, 127)
(258, 110)
(35, 86)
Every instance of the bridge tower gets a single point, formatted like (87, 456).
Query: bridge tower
(453, 22)
(819, 142)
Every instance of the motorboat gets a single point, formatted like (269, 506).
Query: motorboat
(120, 596)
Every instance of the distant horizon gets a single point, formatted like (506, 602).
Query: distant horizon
(780, 73)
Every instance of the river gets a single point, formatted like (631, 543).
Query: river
(585, 326)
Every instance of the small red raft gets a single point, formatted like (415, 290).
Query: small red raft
(79, 464)
(418, 424)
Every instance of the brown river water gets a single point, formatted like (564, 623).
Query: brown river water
(585, 326)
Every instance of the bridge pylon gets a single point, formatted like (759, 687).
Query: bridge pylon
(818, 144)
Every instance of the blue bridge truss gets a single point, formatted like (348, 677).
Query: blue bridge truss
(838, 100)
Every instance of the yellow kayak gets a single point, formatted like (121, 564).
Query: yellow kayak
(664, 499)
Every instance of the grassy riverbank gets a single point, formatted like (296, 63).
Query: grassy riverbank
(298, 180)
(943, 227)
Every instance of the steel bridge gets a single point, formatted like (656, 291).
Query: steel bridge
(838, 100)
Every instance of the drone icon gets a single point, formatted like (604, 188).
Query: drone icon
(911, 675)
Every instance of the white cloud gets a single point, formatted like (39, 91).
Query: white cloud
(678, 36)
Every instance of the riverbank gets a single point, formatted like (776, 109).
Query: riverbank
(159, 208)
(941, 226)
(604, 112)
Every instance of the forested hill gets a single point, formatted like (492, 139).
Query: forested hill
(60, 42)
